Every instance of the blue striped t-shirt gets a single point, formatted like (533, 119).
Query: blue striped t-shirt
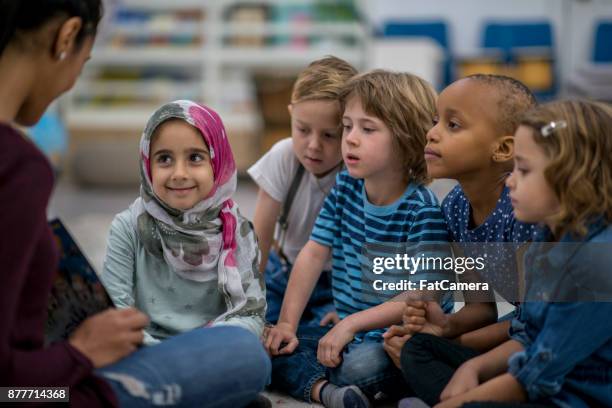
(348, 222)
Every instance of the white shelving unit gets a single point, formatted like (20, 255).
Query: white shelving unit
(211, 70)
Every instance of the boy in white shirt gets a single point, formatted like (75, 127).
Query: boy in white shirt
(294, 177)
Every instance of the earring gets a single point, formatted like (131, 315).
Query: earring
(62, 56)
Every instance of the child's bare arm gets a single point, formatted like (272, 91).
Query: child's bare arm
(501, 388)
(304, 276)
(495, 361)
(472, 316)
(486, 337)
(480, 309)
(423, 315)
(267, 210)
(479, 370)
(428, 317)
(377, 317)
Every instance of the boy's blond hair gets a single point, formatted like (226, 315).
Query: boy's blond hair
(406, 104)
(580, 168)
(323, 79)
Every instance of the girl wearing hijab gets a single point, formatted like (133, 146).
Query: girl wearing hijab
(183, 254)
(43, 47)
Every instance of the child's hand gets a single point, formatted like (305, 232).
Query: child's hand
(108, 336)
(394, 340)
(464, 379)
(282, 333)
(425, 317)
(395, 331)
(332, 344)
(331, 317)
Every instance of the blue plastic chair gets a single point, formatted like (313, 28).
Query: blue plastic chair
(509, 37)
(602, 44)
(435, 30)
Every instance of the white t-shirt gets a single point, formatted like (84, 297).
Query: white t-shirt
(274, 173)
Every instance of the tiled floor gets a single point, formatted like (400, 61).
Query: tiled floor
(88, 212)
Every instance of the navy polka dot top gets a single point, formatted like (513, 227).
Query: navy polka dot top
(499, 227)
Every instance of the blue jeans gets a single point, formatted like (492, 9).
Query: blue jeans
(364, 364)
(277, 277)
(208, 367)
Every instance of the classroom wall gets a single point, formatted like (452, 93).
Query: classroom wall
(572, 21)
(583, 16)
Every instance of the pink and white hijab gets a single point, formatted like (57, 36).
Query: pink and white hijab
(199, 244)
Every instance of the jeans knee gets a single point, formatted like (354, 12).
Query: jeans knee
(264, 369)
(361, 365)
(247, 349)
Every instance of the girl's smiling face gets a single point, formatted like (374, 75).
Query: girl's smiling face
(532, 196)
(181, 170)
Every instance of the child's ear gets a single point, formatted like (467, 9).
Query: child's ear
(504, 149)
(290, 108)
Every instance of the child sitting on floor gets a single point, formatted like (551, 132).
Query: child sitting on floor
(294, 177)
(560, 352)
(184, 255)
(379, 199)
(472, 141)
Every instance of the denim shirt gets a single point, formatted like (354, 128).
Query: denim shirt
(567, 356)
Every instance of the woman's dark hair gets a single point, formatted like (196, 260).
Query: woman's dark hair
(18, 16)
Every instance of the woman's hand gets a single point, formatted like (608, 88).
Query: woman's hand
(282, 333)
(332, 344)
(110, 335)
